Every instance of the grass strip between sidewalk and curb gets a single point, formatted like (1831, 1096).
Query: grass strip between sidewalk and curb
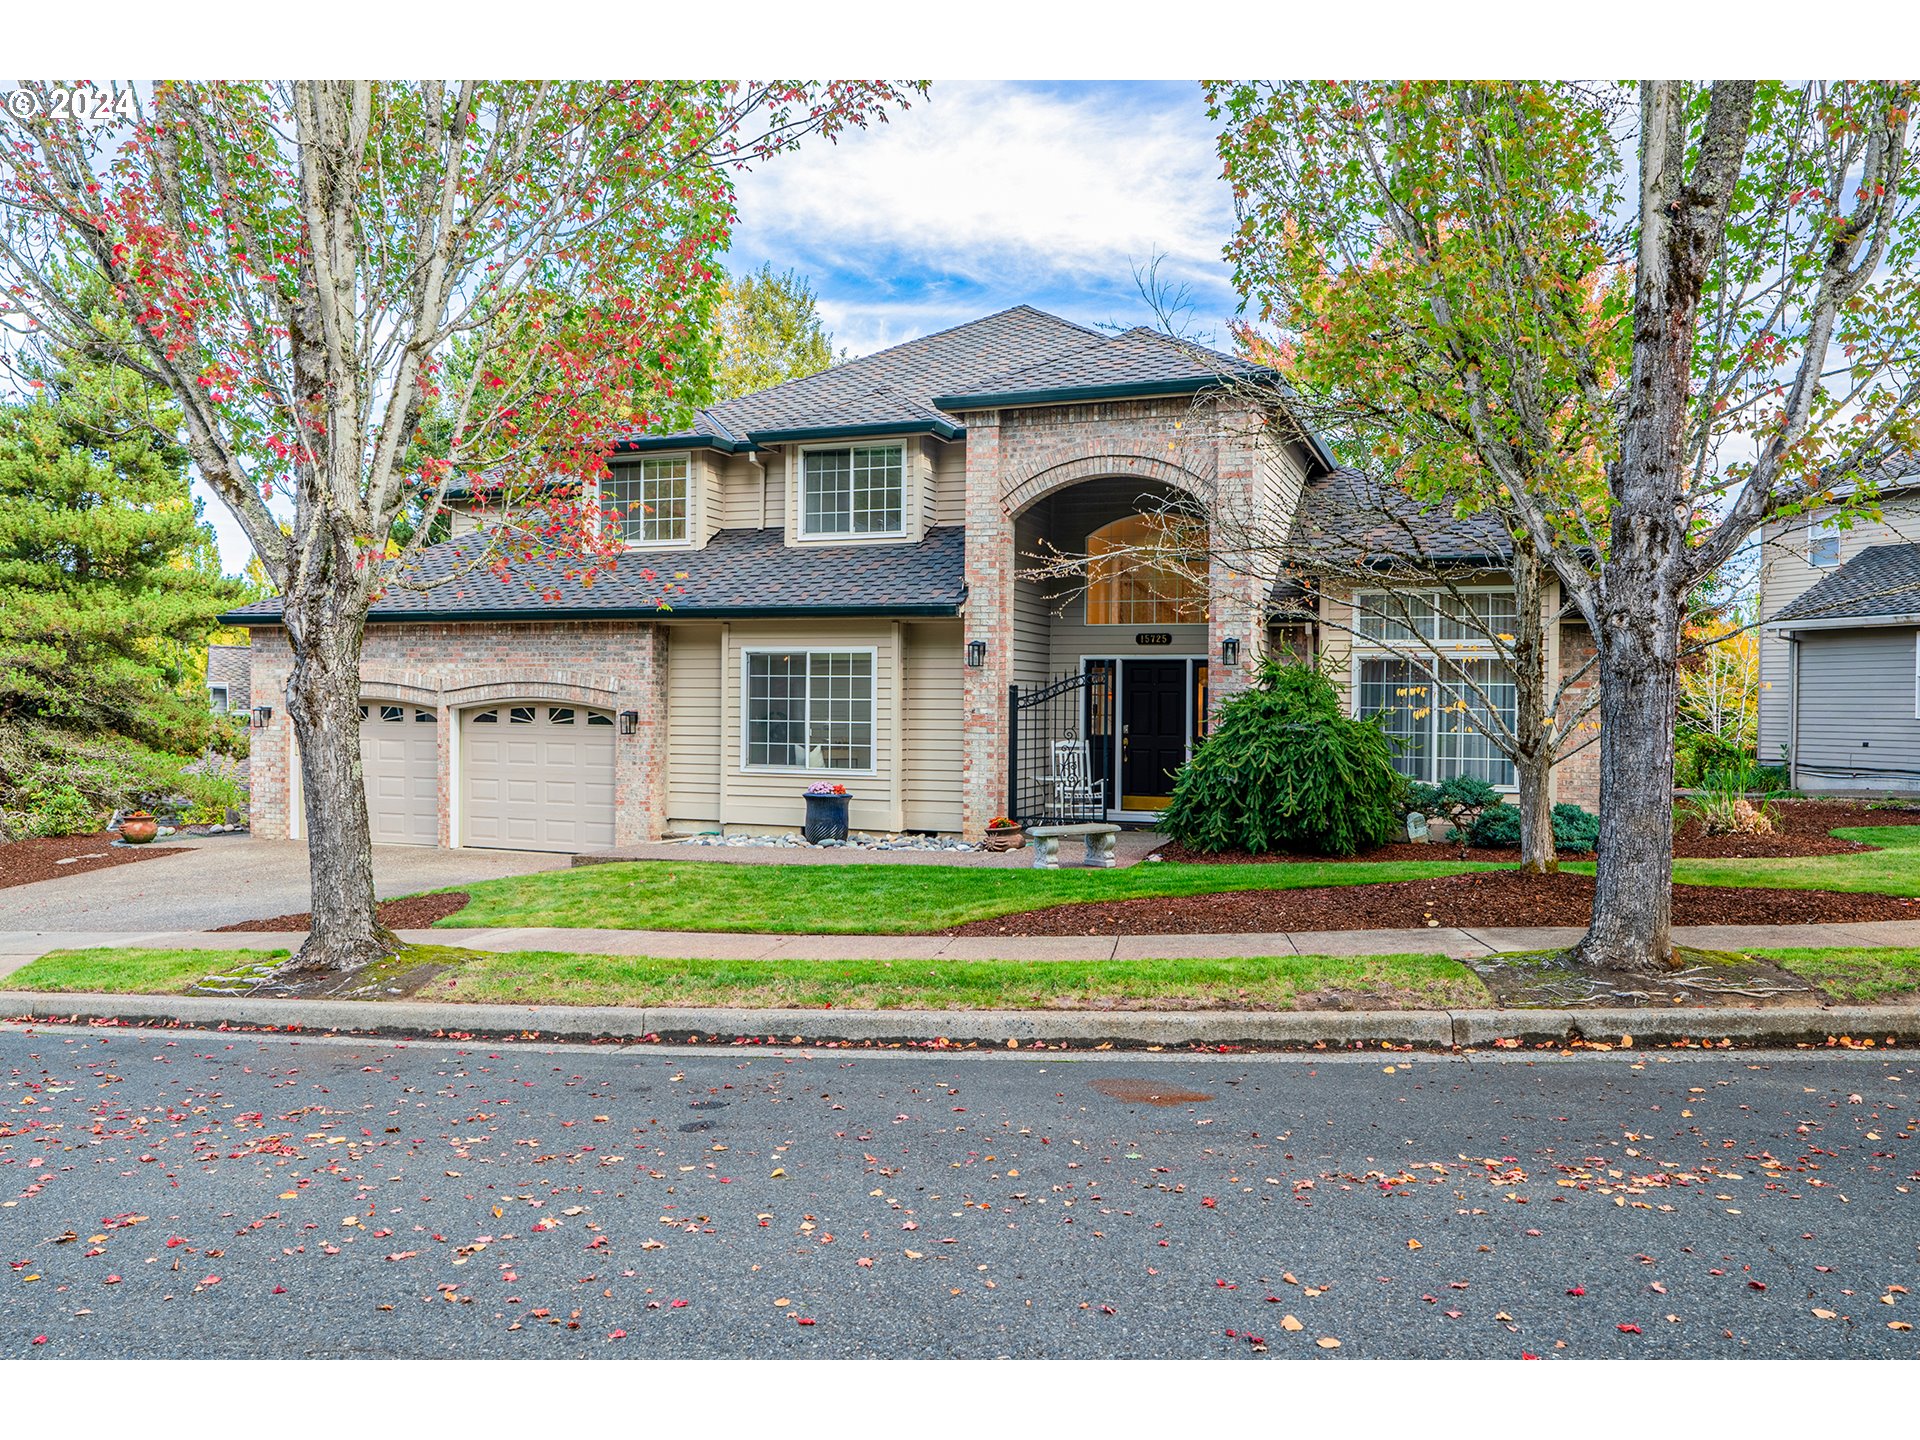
(1279, 983)
(1284, 982)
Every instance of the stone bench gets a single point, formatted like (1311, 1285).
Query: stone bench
(1046, 844)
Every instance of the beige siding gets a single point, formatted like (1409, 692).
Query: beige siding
(693, 727)
(1032, 620)
(769, 800)
(709, 495)
(1785, 575)
(932, 709)
(740, 485)
(949, 482)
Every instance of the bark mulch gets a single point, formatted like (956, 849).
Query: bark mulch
(48, 857)
(1493, 898)
(412, 912)
(1804, 827)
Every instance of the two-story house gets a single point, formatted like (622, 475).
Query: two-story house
(854, 604)
(1840, 642)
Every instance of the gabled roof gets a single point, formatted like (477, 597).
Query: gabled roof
(1138, 362)
(891, 388)
(740, 574)
(1881, 583)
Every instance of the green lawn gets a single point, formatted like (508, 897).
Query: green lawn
(1856, 977)
(1894, 869)
(549, 978)
(867, 899)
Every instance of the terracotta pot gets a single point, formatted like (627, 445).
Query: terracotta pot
(139, 830)
(1010, 837)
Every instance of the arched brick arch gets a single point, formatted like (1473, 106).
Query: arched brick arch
(1029, 489)
(565, 686)
(410, 689)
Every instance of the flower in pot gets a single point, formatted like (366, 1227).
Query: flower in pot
(826, 811)
(138, 828)
(1005, 833)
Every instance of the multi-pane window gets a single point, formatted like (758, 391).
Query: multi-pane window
(1823, 545)
(1439, 708)
(648, 500)
(809, 709)
(1144, 570)
(860, 490)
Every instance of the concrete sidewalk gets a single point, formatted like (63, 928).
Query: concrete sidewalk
(17, 947)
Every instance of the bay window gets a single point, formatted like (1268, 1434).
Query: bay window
(1440, 692)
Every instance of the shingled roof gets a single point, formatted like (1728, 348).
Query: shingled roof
(1357, 519)
(1137, 362)
(741, 573)
(1882, 582)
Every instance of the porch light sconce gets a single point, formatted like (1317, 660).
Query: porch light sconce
(261, 715)
(976, 654)
(629, 721)
(1230, 652)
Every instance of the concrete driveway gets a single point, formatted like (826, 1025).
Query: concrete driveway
(224, 879)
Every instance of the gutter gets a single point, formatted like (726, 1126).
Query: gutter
(944, 611)
(683, 442)
(941, 429)
(1844, 622)
(1068, 394)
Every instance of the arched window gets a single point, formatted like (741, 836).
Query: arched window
(1143, 570)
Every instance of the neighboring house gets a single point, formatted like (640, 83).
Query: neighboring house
(853, 608)
(1840, 643)
(229, 678)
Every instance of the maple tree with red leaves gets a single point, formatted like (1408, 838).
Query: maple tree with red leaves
(312, 269)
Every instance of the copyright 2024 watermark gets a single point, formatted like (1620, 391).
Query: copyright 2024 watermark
(113, 103)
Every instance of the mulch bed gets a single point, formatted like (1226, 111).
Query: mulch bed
(412, 912)
(1494, 898)
(1804, 827)
(25, 861)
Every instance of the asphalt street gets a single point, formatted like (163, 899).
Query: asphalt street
(197, 1194)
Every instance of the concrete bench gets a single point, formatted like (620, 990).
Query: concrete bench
(1046, 844)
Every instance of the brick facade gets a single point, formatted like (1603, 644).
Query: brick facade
(1576, 779)
(449, 667)
(1017, 458)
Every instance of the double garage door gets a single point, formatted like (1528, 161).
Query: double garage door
(533, 777)
(537, 777)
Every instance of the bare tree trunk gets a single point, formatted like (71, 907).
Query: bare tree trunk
(323, 700)
(1533, 711)
(1633, 894)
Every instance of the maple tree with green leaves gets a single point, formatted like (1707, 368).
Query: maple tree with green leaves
(1632, 323)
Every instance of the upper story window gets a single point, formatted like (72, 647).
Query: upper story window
(217, 696)
(648, 500)
(1823, 545)
(859, 490)
(1136, 574)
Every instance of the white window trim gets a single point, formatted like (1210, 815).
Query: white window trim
(1362, 649)
(693, 499)
(907, 489)
(872, 652)
(1818, 531)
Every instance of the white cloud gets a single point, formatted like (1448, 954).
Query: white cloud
(1001, 192)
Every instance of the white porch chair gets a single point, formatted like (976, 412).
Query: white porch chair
(1075, 791)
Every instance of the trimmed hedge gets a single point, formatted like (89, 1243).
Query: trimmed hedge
(1498, 828)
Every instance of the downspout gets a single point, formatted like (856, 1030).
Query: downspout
(753, 459)
(1793, 711)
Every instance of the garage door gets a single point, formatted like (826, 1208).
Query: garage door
(537, 777)
(400, 756)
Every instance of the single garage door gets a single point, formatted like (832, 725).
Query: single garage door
(400, 757)
(537, 777)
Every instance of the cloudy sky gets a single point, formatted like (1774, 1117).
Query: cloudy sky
(984, 195)
(991, 194)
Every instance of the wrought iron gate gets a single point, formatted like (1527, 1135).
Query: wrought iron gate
(1060, 748)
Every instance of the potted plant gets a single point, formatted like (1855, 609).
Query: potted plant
(1004, 833)
(138, 828)
(826, 812)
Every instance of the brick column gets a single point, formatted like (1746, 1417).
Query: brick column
(269, 751)
(1236, 606)
(640, 811)
(991, 565)
(1576, 780)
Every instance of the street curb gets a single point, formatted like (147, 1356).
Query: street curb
(1193, 1029)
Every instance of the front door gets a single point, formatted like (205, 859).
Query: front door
(1153, 731)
